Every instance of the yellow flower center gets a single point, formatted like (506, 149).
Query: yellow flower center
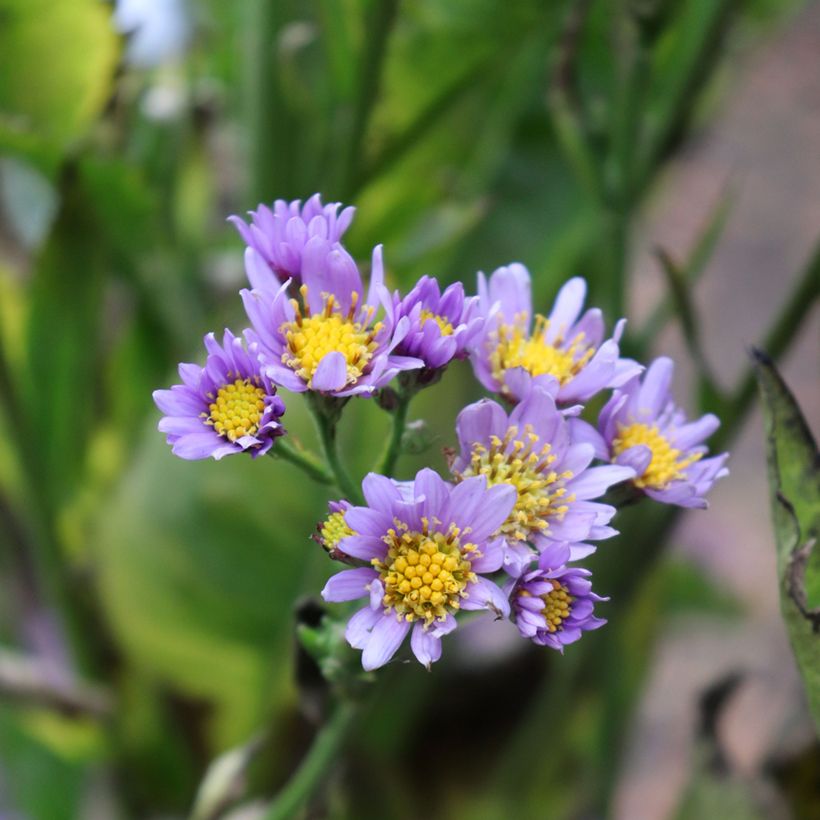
(236, 409)
(425, 573)
(667, 463)
(557, 606)
(527, 467)
(443, 324)
(513, 348)
(310, 337)
(334, 530)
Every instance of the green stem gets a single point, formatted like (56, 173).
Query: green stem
(393, 449)
(304, 460)
(327, 434)
(314, 766)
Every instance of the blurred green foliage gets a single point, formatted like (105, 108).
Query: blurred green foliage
(469, 134)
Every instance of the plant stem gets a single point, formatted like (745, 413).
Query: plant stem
(314, 766)
(304, 460)
(326, 425)
(393, 449)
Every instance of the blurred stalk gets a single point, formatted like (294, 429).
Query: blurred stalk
(566, 105)
(692, 268)
(801, 301)
(377, 33)
(313, 769)
(269, 130)
(703, 38)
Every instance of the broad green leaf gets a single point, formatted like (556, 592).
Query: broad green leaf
(794, 480)
(57, 59)
(200, 564)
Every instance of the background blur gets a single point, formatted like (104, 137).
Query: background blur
(147, 604)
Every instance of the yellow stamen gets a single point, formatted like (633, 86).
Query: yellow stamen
(425, 573)
(520, 462)
(333, 530)
(667, 463)
(444, 325)
(311, 336)
(557, 606)
(237, 409)
(512, 347)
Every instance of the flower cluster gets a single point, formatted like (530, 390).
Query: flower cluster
(529, 489)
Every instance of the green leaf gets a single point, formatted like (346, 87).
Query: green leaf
(794, 480)
(57, 59)
(199, 567)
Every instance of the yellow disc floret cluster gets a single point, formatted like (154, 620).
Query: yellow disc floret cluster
(557, 605)
(667, 462)
(310, 337)
(333, 530)
(236, 409)
(511, 347)
(425, 573)
(443, 324)
(522, 463)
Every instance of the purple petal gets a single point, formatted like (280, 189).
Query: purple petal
(568, 305)
(426, 646)
(360, 625)
(496, 505)
(380, 492)
(484, 594)
(348, 585)
(331, 374)
(385, 639)
(594, 482)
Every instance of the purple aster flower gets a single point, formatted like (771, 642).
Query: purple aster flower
(329, 340)
(640, 426)
(442, 326)
(229, 406)
(553, 605)
(532, 450)
(427, 553)
(565, 354)
(276, 237)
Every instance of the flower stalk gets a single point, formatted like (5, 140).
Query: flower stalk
(320, 757)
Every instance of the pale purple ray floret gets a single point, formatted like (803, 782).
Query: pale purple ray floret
(641, 427)
(277, 236)
(228, 406)
(553, 604)
(329, 339)
(567, 352)
(427, 551)
(532, 450)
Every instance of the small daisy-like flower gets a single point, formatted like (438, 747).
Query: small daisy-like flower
(328, 340)
(532, 451)
(333, 529)
(276, 237)
(427, 549)
(442, 326)
(553, 605)
(229, 406)
(563, 353)
(641, 427)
